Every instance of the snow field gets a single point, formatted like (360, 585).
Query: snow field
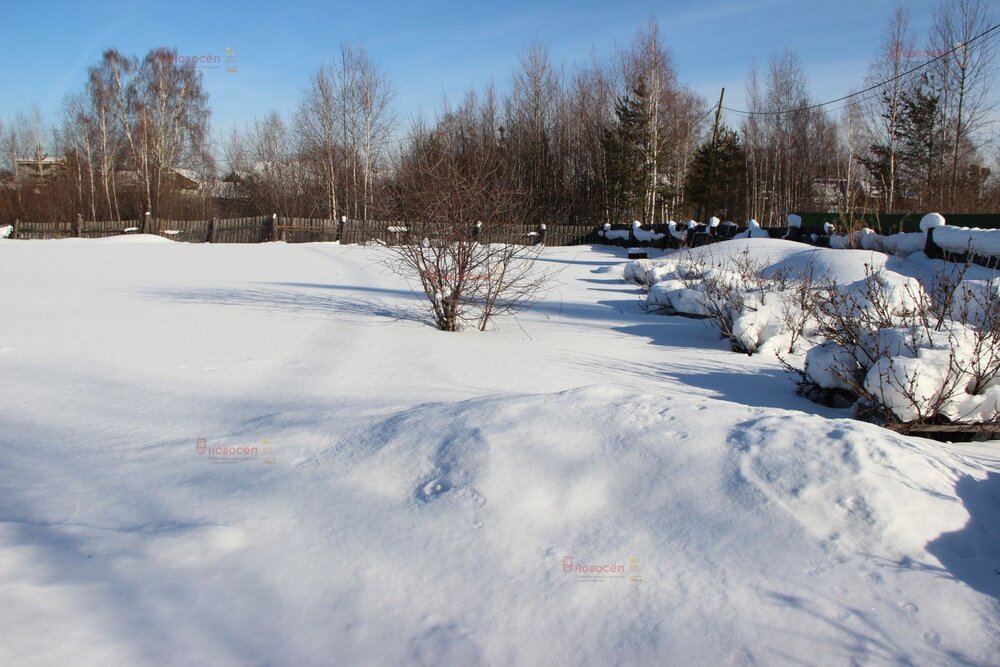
(427, 487)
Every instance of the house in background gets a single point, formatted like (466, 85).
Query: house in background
(179, 179)
(41, 168)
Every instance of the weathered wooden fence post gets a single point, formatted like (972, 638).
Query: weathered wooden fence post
(274, 227)
(17, 223)
(340, 228)
(146, 220)
(212, 230)
(79, 225)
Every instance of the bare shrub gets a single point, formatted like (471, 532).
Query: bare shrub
(798, 308)
(461, 239)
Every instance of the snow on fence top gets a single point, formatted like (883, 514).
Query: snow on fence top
(637, 232)
(960, 240)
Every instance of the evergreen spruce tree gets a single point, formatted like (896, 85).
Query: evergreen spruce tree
(923, 146)
(716, 182)
(625, 144)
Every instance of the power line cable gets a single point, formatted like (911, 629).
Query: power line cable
(870, 88)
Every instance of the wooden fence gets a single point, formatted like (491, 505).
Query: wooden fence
(306, 230)
(296, 230)
(260, 229)
(78, 229)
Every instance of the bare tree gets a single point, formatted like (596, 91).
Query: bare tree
(648, 66)
(530, 128)
(161, 110)
(966, 75)
(374, 94)
(883, 111)
(343, 124)
(317, 129)
(790, 147)
(101, 81)
(265, 167)
(76, 141)
(590, 100)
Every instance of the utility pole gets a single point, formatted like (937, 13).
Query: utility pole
(711, 162)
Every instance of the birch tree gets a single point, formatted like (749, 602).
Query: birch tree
(966, 77)
(882, 112)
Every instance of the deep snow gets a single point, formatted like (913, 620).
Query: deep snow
(426, 488)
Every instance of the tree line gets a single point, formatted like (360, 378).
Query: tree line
(619, 139)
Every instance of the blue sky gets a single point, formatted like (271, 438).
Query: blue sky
(429, 49)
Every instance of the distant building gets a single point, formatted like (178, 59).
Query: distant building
(830, 194)
(186, 180)
(41, 169)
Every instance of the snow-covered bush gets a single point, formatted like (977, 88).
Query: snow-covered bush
(907, 355)
(646, 272)
(863, 334)
(748, 302)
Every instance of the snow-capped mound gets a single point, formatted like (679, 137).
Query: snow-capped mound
(931, 221)
(842, 266)
(904, 244)
(964, 240)
(775, 255)
(642, 235)
(753, 231)
(676, 232)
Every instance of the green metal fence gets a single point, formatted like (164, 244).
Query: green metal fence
(890, 223)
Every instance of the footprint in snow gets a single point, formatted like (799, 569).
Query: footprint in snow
(433, 489)
(445, 644)
(442, 485)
